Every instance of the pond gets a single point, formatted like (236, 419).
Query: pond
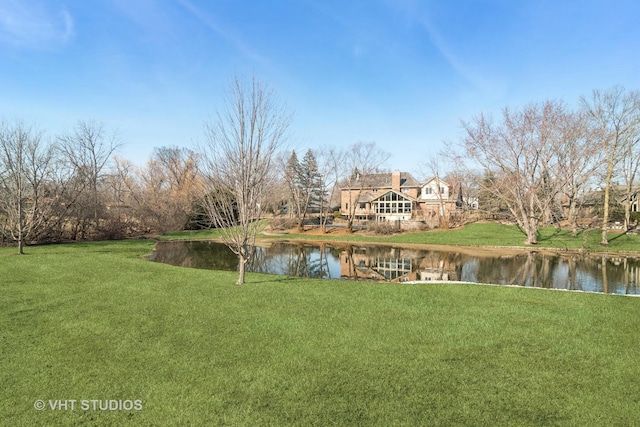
(572, 271)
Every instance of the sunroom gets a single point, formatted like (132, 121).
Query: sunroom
(392, 206)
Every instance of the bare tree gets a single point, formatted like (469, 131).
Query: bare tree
(26, 197)
(615, 118)
(361, 161)
(434, 165)
(330, 161)
(238, 154)
(520, 155)
(579, 158)
(88, 148)
(165, 190)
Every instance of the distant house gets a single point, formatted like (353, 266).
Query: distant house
(634, 198)
(380, 197)
(590, 204)
(398, 196)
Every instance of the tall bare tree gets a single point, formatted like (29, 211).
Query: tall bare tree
(88, 148)
(615, 118)
(329, 163)
(26, 197)
(434, 166)
(579, 158)
(520, 155)
(241, 143)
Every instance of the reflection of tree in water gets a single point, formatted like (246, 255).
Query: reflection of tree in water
(205, 255)
(534, 270)
(299, 260)
(530, 269)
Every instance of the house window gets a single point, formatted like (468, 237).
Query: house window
(346, 206)
(392, 203)
(428, 190)
(441, 190)
(405, 190)
(362, 206)
(375, 190)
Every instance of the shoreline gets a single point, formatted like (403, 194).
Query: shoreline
(486, 250)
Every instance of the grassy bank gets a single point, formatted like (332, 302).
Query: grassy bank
(476, 234)
(97, 321)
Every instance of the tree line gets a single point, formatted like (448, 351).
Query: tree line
(532, 161)
(527, 163)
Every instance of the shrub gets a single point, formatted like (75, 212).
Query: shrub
(283, 223)
(382, 228)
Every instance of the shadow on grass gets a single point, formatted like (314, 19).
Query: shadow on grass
(617, 236)
(273, 279)
(558, 232)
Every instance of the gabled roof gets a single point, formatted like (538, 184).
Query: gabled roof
(403, 195)
(379, 180)
(433, 179)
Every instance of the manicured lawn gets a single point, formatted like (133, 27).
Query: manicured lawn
(97, 321)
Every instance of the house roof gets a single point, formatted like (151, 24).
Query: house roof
(364, 198)
(379, 180)
(404, 196)
(433, 179)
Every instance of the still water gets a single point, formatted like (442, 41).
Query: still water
(602, 273)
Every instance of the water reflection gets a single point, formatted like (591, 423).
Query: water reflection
(602, 273)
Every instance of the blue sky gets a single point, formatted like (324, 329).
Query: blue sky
(402, 73)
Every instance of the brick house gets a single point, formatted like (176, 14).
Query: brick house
(380, 197)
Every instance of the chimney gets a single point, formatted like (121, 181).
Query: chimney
(395, 180)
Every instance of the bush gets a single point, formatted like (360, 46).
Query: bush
(382, 228)
(283, 223)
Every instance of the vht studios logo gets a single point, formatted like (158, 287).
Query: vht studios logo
(88, 405)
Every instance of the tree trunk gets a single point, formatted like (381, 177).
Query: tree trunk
(627, 215)
(532, 238)
(573, 215)
(532, 231)
(349, 227)
(605, 216)
(20, 227)
(242, 258)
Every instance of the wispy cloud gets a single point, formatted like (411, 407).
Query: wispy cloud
(419, 13)
(223, 32)
(466, 71)
(31, 24)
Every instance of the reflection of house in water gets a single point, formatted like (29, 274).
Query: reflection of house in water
(393, 269)
(395, 265)
(376, 264)
(437, 267)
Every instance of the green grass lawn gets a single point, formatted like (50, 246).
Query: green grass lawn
(97, 321)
